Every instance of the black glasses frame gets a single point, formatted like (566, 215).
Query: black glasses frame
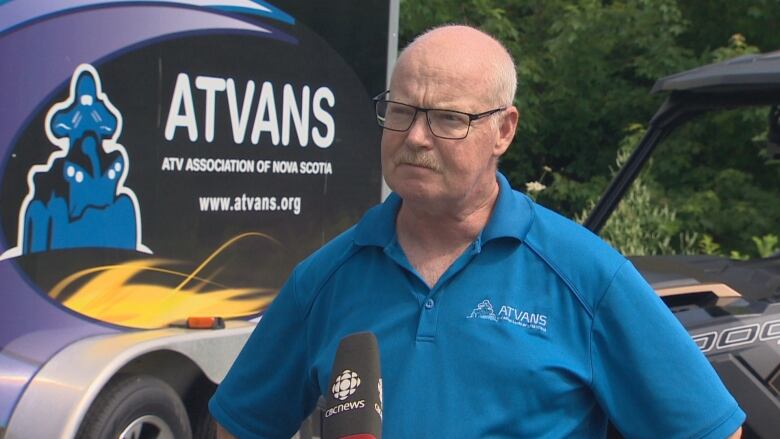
(472, 116)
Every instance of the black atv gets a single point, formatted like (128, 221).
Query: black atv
(731, 308)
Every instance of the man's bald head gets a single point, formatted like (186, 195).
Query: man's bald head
(469, 49)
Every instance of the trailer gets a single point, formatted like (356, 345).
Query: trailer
(163, 166)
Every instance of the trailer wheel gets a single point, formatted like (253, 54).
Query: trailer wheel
(136, 407)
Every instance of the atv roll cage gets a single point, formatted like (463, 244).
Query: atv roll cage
(750, 80)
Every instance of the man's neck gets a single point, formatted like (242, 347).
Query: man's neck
(432, 239)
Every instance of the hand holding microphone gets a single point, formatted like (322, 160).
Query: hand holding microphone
(353, 408)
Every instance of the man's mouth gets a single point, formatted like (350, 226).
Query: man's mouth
(417, 165)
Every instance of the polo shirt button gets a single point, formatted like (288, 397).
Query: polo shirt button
(429, 303)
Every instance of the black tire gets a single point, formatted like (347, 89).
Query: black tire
(136, 407)
(203, 425)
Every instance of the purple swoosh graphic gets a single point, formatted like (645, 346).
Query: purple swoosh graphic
(19, 12)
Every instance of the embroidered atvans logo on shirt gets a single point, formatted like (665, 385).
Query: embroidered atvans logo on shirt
(509, 314)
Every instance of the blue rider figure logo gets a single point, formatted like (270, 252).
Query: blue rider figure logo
(78, 198)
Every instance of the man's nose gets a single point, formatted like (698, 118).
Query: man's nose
(419, 133)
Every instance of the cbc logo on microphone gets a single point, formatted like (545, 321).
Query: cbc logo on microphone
(346, 384)
(378, 405)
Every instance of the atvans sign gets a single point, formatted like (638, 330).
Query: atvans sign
(172, 158)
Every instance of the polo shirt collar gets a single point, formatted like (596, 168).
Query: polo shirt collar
(511, 218)
(377, 227)
(512, 215)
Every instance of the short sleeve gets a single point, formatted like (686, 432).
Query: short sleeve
(269, 390)
(648, 375)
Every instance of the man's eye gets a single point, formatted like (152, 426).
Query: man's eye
(450, 117)
(399, 110)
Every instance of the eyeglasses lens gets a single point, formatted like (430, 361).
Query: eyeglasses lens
(399, 117)
(448, 124)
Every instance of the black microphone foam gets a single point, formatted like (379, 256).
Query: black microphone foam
(353, 404)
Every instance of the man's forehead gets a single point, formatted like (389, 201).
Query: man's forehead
(453, 52)
(422, 68)
(441, 57)
(430, 88)
(442, 77)
(451, 43)
(462, 39)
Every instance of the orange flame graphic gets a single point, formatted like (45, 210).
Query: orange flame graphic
(109, 293)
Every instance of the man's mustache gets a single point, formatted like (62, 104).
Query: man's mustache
(419, 158)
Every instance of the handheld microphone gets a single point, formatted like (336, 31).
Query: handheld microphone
(353, 405)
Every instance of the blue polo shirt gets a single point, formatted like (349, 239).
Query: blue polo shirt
(538, 330)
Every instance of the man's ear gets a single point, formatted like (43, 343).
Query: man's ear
(506, 130)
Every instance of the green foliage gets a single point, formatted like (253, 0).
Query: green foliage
(716, 173)
(640, 225)
(708, 246)
(584, 70)
(766, 245)
(737, 47)
(713, 22)
(645, 224)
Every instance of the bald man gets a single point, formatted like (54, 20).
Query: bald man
(496, 318)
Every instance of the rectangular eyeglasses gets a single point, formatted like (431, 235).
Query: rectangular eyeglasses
(446, 124)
